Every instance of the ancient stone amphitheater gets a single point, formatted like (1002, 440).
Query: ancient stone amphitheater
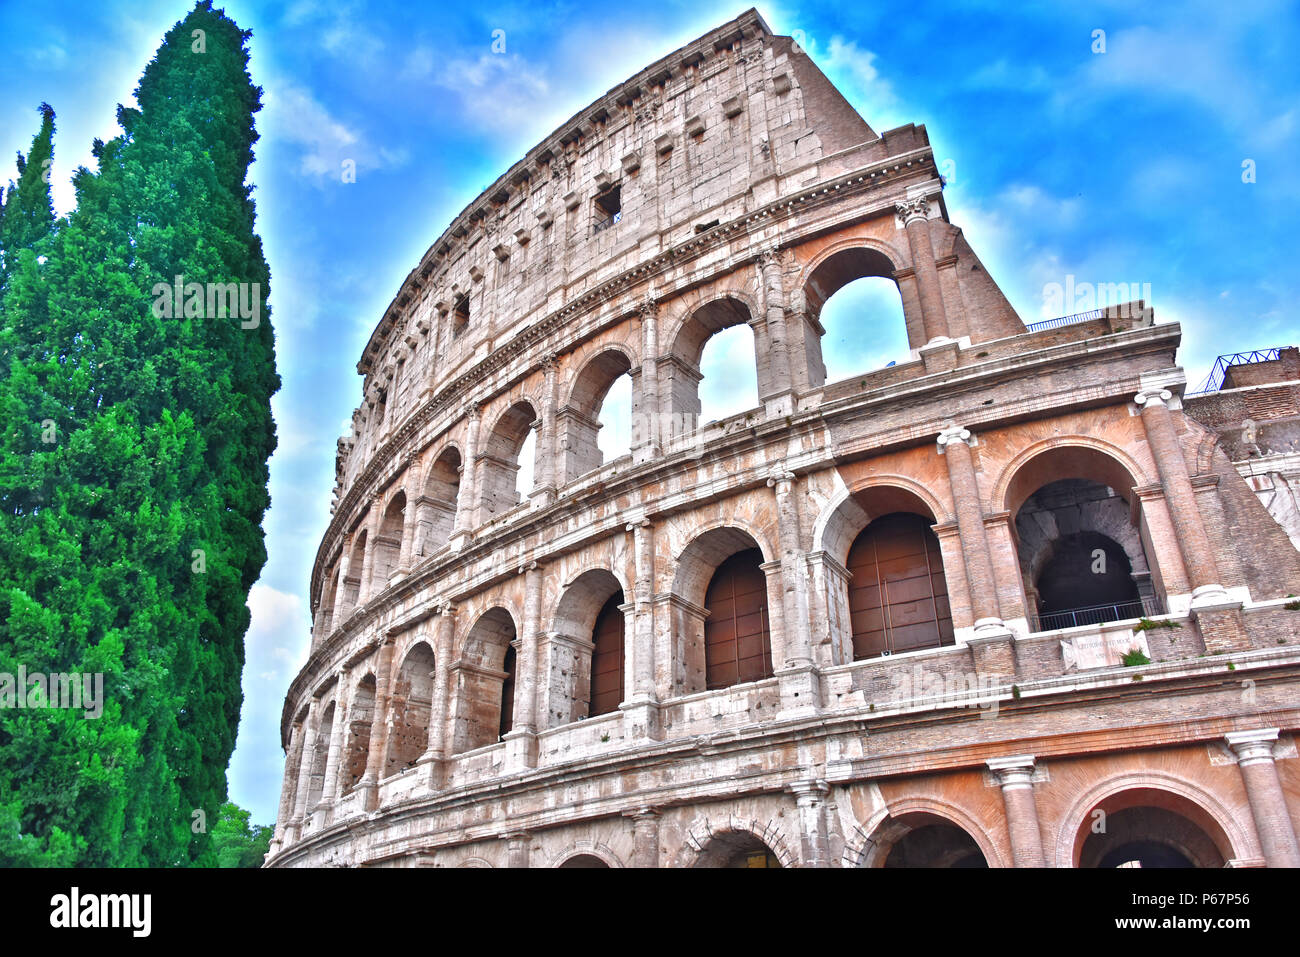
(1004, 603)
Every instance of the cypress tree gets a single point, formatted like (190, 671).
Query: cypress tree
(140, 527)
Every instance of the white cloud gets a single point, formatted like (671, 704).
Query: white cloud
(500, 91)
(294, 116)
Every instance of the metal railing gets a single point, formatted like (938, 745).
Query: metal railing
(1214, 381)
(1099, 614)
(1065, 320)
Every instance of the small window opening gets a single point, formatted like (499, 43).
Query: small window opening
(609, 208)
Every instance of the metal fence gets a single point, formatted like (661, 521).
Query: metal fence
(1098, 614)
(1064, 320)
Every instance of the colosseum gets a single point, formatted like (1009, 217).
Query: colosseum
(1018, 600)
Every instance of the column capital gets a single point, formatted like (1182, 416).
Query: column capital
(954, 434)
(642, 813)
(472, 411)
(1152, 397)
(1252, 746)
(638, 523)
(770, 256)
(778, 475)
(913, 210)
(445, 609)
(809, 791)
(648, 308)
(1013, 771)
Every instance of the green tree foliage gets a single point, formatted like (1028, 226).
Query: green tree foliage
(236, 842)
(133, 470)
(26, 210)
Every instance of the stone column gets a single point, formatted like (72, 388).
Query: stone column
(915, 216)
(641, 707)
(379, 725)
(779, 397)
(646, 434)
(954, 445)
(345, 572)
(800, 691)
(410, 521)
(810, 799)
(305, 755)
(1277, 839)
(521, 740)
(467, 497)
(329, 787)
(645, 836)
(288, 786)
(440, 722)
(545, 480)
(1193, 543)
(1016, 777)
(368, 586)
(516, 848)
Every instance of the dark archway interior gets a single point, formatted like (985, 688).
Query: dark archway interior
(737, 849)
(936, 845)
(1148, 836)
(584, 860)
(1085, 570)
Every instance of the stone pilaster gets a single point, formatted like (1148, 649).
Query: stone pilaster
(1016, 777)
(647, 437)
(800, 686)
(1277, 838)
(915, 216)
(329, 791)
(305, 755)
(288, 786)
(779, 397)
(368, 786)
(954, 444)
(440, 724)
(810, 799)
(645, 836)
(641, 705)
(545, 480)
(468, 496)
(410, 521)
(521, 739)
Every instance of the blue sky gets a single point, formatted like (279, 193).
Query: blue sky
(1116, 166)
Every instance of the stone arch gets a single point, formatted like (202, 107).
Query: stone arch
(320, 756)
(843, 520)
(436, 508)
(878, 836)
(707, 845)
(411, 708)
(1067, 498)
(578, 419)
(325, 612)
(594, 850)
(837, 266)
(1161, 789)
(483, 681)
(361, 716)
(355, 575)
(570, 644)
(679, 373)
(387, 547)
(1069, 453)
(694, 636)
(498, 460)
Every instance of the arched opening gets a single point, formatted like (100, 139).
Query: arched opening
(898, 596)
(585, 651)
(388, 543)
(856, 304)
(320, 756)
(922, 839)
(730, 367)
(352, 583)
(881, 573)
(1149, 827)
(584, 860)
(507, 460)
(737, 849)
(437, 509)
(721, 625)
(737, 639)
(484, 682)
(591, 404)
(1083, 560)
(412, 704)
(360, 718)
(864, 329)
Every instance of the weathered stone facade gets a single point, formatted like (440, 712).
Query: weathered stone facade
(442, 717)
